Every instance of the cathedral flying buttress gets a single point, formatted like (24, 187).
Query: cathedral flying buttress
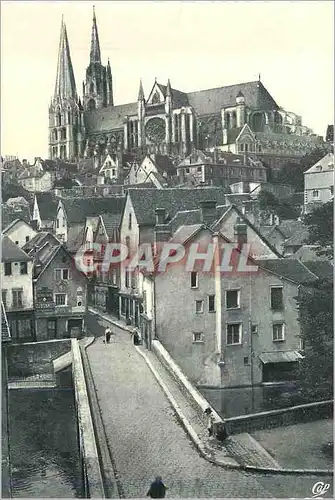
(240, 118)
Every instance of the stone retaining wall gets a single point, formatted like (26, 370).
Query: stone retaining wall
(34, 358)
(189, 390)
(280, 418)
(93, 483)
(245, 423)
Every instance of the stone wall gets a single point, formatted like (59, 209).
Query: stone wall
(280, 418)
(25, 360)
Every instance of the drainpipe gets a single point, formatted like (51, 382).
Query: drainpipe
(217, 281)
(251, 347)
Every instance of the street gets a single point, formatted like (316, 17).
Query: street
(146, 439)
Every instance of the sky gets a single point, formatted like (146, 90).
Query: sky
(198, 45)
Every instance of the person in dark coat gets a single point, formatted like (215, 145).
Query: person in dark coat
(157, 489)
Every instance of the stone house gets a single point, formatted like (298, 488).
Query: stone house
(72, 213)
(17, 290)
(153, 167)
(60, 291)
(137, 227)
(106, 283)
(220, 168)
(319, 183)
(20, 232)
(231, 329)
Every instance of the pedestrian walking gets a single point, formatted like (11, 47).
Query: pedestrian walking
(157, 488)
(108, 334)
(210, 421)
(136, 337)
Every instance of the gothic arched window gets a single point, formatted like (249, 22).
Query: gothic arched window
(58, 119)
(156, 98)
(54, 134)
(63, 133)
(69, 117)
(91, 88)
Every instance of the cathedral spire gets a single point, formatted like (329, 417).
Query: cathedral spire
(140, 92)
(65, 83)
(95, 54)
(168, 89)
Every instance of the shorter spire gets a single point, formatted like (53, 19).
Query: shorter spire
(140, 92)
(168, 89)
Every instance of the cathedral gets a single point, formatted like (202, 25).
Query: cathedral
(241, 118)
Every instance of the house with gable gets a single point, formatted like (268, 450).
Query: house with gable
(154, 167)
(226, 329)
(218, 168)
(233, 224)
(44, 211)
(110, 170)
(319, 183)
(20, 232)
(106, 283)
(137, 227)
(60, 291)
(17, 290)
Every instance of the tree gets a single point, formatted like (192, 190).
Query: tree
(271, 204)
(316, 321)
(292, 174)
(320, 224)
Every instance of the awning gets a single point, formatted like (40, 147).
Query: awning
(280, 357)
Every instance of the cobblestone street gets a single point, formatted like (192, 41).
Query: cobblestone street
(146, 439)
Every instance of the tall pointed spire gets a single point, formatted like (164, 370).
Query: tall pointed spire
(95, 54)
(140, 92)
(65, 83)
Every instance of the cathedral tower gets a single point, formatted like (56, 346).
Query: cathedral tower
(98, 86)
(66, 127)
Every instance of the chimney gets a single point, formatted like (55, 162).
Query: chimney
(162, 233)
(240, 233)
(207, 211)
(24, 163)
(160, 216)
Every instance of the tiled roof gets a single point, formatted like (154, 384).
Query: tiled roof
(299, 237)
(323, 163)
(6, 229)
(109, 118)
(78, 209)
(56, 165)
(75, 236)
(183, 233)
(290, 227)
(12, 252)
(307, 253)
(47, 205)
(210, 101)
(163, 163)
(8, 215)
(184, 218)
(111, 221)
(179, 99)
(39, 240)
(322, 268)
(249, 223)
(145, 201)
(291, 269)
(5, 332)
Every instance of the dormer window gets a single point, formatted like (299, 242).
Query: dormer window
(331, 166)
(318, 168)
